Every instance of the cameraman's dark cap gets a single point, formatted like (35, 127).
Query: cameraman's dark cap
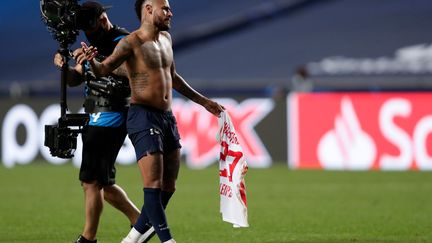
(94, 7)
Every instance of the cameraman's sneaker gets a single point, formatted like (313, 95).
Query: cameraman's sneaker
(144, 238)
(81, 239)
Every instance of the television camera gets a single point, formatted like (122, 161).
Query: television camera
(64, 19)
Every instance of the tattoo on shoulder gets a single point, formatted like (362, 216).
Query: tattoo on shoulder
(123, 46)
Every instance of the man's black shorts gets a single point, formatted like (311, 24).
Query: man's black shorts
(100, 148)
(152, 130)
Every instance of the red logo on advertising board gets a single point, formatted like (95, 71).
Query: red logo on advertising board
(198, 129)
(360, 131)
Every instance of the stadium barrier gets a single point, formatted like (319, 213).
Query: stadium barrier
(327, 130)
(23, 121)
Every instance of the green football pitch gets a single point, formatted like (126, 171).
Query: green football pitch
(44, 203)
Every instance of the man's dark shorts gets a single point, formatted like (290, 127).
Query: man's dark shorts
(152, 130)
(100, 148)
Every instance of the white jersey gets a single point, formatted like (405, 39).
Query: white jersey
(232, 169)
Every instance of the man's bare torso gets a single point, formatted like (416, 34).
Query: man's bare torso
(149, 69)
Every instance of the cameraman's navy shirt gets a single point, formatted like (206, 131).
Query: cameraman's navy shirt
(106, 44)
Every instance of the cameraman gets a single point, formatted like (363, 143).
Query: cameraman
(104, 135)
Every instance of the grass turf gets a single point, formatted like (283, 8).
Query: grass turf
(44, 203)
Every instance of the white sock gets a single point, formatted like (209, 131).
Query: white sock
(146, 234)
(132, 237)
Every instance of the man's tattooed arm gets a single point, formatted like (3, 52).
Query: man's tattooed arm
(120, 54)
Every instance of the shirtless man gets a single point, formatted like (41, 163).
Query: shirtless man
(148, 58)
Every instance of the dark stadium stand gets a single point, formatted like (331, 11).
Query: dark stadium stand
(229, 45)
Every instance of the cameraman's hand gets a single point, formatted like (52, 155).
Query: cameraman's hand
(77, 55)
(58, 60)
